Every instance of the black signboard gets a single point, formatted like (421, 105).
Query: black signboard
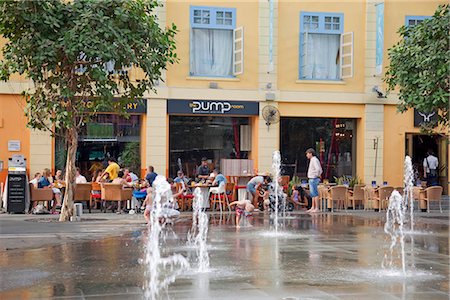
(422, 118)
(212, 107)
(16, 192)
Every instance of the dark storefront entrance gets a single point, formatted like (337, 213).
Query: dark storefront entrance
(333, 139)
(107, 135)
(211, 129)
(417, 146)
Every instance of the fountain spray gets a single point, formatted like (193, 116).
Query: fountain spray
(160, 271)
(276, 167)
(199, 231)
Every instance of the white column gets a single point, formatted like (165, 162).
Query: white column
(40, 151)
(373, 157)
(269, 140)
(156, 135)
(268, 137)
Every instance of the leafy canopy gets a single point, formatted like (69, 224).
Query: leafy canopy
(419, 65)
(74, 50)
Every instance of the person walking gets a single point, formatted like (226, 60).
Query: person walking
(430, 168)
(314, 173)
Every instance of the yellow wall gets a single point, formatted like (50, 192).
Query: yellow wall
(332, 111)
(12, 127)
(246, 16)
(289, 39)
(395, 12)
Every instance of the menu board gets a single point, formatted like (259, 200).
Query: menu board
(16, 192)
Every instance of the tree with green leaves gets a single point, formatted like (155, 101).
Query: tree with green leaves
(79, 50)
(419, 66)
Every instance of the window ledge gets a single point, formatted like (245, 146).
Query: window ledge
(306, 81)
(205, 78)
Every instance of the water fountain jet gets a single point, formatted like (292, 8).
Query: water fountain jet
(199, 231)
(160, 271)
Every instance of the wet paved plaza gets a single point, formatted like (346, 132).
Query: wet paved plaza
(321, 256)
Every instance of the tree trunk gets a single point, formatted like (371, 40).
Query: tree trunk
(72, 144)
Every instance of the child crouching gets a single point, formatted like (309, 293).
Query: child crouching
(243, 207)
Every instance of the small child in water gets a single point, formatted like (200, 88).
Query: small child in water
(243, 207)
(148, 205)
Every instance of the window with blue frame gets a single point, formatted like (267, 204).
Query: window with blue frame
(211, 41)
(320, 44)
(412, 21)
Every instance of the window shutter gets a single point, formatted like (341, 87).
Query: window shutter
(346, 54)
(304, 55)
(238, 51)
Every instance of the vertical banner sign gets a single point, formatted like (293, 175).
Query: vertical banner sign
(379, 38)
(270, 36)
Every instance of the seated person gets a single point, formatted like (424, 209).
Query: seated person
(243, 207)
(181, 179)
(218, 178)
(97, 176)
(300, 196)
(203, 170)
(130, 176)
(121, 180)
(219, 181)
(46, 181)
(80, 178)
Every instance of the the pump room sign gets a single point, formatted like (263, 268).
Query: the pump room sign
(212, 107)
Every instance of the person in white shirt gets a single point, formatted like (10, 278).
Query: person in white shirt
(35, 180)
(80, 178)
(430, 168)
(314, 173)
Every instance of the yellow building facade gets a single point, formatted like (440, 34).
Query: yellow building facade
(313, 63)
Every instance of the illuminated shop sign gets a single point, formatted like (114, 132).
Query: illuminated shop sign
(210, 107)
(138, 106)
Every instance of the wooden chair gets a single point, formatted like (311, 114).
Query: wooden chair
(83, 193)
(180, 199)
(114, 192)
(337, 193)
(43, 194)
(433, 193)
(381, 200)
(218, 195)
(284, 182)
(96, 194)
(356, 195)
(184, 200)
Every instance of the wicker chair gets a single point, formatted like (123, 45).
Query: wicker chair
(356, 195)
(114, 192)
(83, 193)
(433, 193)
(369, 193)
(337, 193)
(43, 194)
(381, 201)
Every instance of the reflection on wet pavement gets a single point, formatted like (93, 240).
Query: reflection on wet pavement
(324, 256)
